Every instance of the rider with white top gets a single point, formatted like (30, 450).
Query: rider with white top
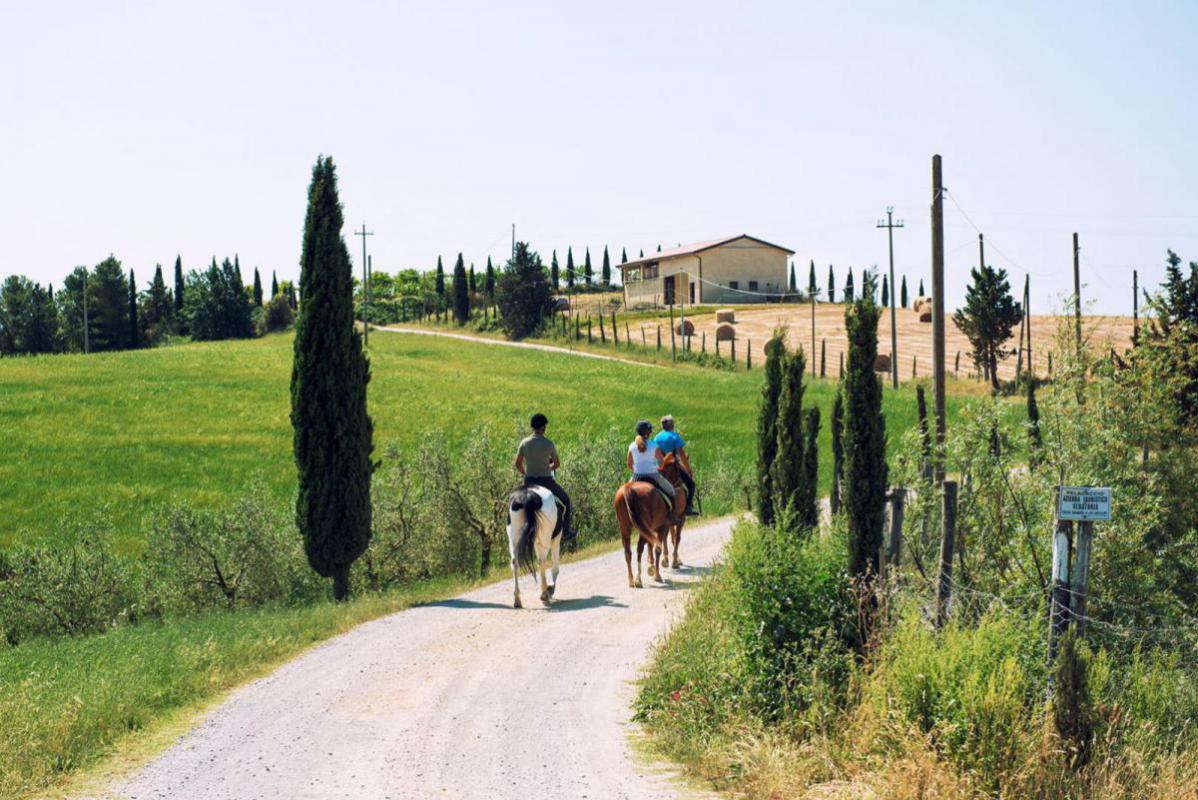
(645, 458)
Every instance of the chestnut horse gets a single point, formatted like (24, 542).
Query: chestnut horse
(640, 507)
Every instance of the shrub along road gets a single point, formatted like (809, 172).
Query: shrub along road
(464, 698)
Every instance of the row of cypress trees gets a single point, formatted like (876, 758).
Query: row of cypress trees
(787, 462)
(849, 294)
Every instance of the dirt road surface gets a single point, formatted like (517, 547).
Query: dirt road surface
(467, 698)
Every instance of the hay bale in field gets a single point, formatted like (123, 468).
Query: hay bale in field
(923, 304)
(725, 332)
(725, 315)
(881, 363)
(685, 328)
(925, 316)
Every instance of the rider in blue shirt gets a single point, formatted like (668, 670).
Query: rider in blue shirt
(670, 441)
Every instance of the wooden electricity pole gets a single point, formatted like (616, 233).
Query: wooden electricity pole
(1022, 327)
(1077, 294)
(1062, 546)
(938, 309)
(889, 225)
(948, 529)
(365, 278)
(1135, 306)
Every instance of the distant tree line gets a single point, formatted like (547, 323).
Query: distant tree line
(102, 309)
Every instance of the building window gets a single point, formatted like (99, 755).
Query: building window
(634, 276)
(733, 284)
(752, 286)
(651, 272)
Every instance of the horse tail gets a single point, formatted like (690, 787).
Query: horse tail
(635, 516)
(529, 502)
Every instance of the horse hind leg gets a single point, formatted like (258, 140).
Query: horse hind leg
(516, 580)
(657, 562)
(555, 555)
(676, 534)
(640, 550)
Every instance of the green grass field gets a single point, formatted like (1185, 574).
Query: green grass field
(117, 435)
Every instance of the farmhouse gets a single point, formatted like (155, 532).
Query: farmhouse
(737, 269)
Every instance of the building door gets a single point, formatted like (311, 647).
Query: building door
(668, 289)
(692, 285)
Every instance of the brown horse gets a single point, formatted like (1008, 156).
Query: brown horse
(640, 507)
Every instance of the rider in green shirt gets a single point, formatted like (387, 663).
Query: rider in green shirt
(537, 460)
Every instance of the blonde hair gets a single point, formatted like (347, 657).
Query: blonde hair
(667, 422)
(640, 443)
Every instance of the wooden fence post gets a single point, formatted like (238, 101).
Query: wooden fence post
(703, 342)
(717, 346)
(602, 331)
(615, 331)
(914, 361)
(948, 530)
(673, 341)
(644, 341)
(590, 337)
(957, 365)
(659, 337)
(749, 354)
(894, 546)
(823, 358)
(1080, 579)
(734, 351)
(1062, 544)
(628, 336)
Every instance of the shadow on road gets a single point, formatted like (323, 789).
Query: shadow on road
(559, 604)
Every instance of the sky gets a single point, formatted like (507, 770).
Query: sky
(148, 130)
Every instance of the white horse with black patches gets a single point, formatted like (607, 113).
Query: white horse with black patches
(533, 537)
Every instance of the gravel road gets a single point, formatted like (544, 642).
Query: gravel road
(467, 698)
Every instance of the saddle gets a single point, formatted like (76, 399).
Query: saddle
(665, 497)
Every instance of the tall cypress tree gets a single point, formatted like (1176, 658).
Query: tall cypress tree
(885, 293)
(159, 309)
(440, 280)
(179, 286)
(831, 285)
(811, 287)
(555, 273)
(793, 285)
(274, 284)
(257, 288)
(864, 439)
(473, 280)
(767, 426)
(837, 450)
(489, 281)
(623, 255)
(903, 292)
(606, 274)
(642, 255)
(921, 292)
(807, 499)
(134, 340)
(848, 287)
(333, 431)
(461, 293)
(787, 469)
(588, 272)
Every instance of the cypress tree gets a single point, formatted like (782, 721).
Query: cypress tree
(473, 280)
(831, 285)
(1035, 441)
(921, 292)
(885, 293)
(134, 334)
(555, 277)
(767, 425)
(330, 372)
(864, 439)
(461, 293)
(793, 285)
(903, 292)
(159, 307)
(787, 469)
(659, 248)
(440, 280)
(606, 274)
(588, 272)
(837, 450)
(807, 499)
(623, 255)
(291, 298)
(811, 288)
(848, 287)
(489, 280)
(179, 284)
(642, 255)
(257, 288)
(570, 267)
(274, 285)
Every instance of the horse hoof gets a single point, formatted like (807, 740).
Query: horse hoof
(517, 604)
(637, 584)
(552, 589)
(659, 579)
(676, 565)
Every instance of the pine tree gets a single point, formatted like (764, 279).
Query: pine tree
(461, 293)
(606, 273)
(903, 293)
(179, 286)
(134, 335)
(159, 310)
(522, 293)
(257, 288)
(864, 439)
(588, 272)
(988, 318)
(807, 499)
(831, 285)
(555, 278)
(837, 450)
(440, 280)
(787, 469)
(767, 426)
(885, 293)
(333, 431)
(274, 284)
(793, 285)
(570, 267)
(848, 287)
(489, 281)
(811, 287)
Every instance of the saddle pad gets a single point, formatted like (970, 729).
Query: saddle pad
(660, 493)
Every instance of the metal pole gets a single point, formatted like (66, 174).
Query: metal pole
(366, 303)
(1077, 294)
(1062, 545)
(938, 308)
(890, 225)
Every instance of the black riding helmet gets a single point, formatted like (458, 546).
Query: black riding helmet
(644, 428)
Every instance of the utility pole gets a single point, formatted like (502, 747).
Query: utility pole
(1135, 306)
(1022, 327)
(513, 241)
(938, 309)
(890, 225)
(1077, 294)
(365, 270)
(982, 267)
(366, 301)
(86, 343)
(813, 334)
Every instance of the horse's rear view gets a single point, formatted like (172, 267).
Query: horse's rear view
(640, 507)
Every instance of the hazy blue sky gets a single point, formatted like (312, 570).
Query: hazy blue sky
(150, 129)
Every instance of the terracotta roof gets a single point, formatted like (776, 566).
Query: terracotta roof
(697, 247)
